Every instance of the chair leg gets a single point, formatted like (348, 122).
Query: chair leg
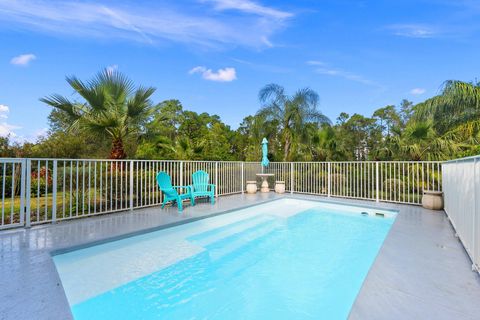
(212, 199)
(180, 204)
(163, 203)
(192, 200)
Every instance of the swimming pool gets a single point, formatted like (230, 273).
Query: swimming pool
(286, 259)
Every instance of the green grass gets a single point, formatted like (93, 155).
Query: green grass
(63, 204)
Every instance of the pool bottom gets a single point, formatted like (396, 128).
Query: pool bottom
(307, 265)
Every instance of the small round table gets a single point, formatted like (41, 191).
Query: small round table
(264, 176)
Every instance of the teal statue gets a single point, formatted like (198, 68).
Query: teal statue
(265, 161)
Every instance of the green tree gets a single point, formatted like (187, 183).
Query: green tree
(357, 136)
(291, 112)
(458, 105)
(325, 146)
(406, 111)
(158, 141)
(419, 141)
(111, 106)
(252, 130)
(388, 119)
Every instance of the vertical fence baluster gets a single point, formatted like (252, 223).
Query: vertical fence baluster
(4, 177)
(46, 190)
(131, 185)
(12, 193)
(24, 209)
(28, 193)
(377, 184)
(83, 187)
(329, 179)
(216, 179)
(64, 188)
(291, 178)
(95, 187)
(54, 192)
(71, 187)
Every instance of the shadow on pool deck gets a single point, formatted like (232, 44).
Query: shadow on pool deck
(421, 272)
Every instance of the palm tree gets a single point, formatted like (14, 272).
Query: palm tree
(291, 112)
(419, 141)
(111, 107)
(457, 105)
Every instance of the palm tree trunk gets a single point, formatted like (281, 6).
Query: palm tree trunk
(286, 152)
(117, 151)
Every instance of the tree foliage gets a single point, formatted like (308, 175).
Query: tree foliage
(112, 118)
(110, 106)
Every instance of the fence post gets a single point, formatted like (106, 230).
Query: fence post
(216, 179)
(22, 192)
(54, 192)
(291, 177)
(377, 190)
(131, 185)
(474, 216)
(28, 187)
(243, 179)
(181, 175)
(329, 179)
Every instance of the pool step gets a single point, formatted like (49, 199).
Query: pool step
(232, 244)
(206, 238)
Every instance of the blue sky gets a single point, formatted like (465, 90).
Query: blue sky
(215, 55)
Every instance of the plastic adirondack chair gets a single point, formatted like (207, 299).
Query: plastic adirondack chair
(170, 192)
(201, 186)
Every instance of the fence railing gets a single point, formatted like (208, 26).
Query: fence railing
(461, 183)
(38, 191)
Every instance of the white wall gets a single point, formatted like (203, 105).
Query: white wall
(461, 187)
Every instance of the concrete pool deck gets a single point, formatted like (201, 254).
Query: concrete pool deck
(421, 271)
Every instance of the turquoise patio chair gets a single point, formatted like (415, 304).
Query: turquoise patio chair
(201, 186)
(170, 192)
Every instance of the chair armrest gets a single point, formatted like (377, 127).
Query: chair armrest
(183, 187)
(211, 186)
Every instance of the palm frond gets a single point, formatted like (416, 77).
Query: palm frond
(73, 110)
(458, 102)
(111, 106)
(272, 92)
(95, 97)
(140, 103)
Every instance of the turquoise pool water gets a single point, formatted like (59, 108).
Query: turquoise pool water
(288, 259)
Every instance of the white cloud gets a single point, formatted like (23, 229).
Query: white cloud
(413, 30)
(221, 75)
(151, 23)
(6, 129)
(4, 109)
(316, 63)
(39, 133)
(23, 59)
(267, 42)
(32, 138)
(263, 67)
(417, 91)
(249, 7)
(323, 68)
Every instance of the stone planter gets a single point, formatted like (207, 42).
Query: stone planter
(280, 186)
(432, 200)
(251, 187)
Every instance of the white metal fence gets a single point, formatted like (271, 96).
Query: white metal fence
(38, 191)
(461, 183)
